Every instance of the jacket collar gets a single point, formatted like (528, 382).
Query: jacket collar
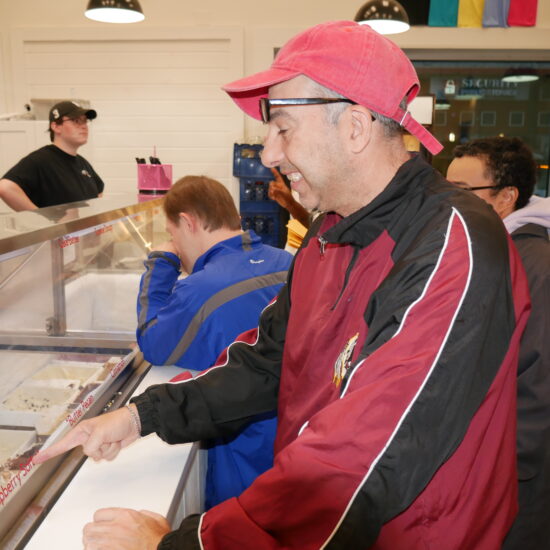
(247, 240)
(366, 224)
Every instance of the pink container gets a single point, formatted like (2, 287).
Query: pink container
(154, 177)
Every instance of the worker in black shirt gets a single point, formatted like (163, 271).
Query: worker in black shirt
(55, 174)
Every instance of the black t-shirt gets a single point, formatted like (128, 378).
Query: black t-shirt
(49, 176)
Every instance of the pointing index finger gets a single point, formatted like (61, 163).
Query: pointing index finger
(73, 439)
(276, 174)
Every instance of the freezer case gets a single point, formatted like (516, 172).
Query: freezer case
(69, 278)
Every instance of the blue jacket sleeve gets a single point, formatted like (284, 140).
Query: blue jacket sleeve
(163, 315)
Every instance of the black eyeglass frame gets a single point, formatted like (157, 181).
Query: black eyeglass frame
(79, 120)
(266, 103)
(468, 188)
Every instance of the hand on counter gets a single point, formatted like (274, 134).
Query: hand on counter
(101, 437)
(125, 529)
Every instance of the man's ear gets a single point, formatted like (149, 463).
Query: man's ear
(189, 221)
(361, 127)
(508, 196)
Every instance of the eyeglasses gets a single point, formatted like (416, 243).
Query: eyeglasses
(80, 121)
(468, 188)
(266, 104)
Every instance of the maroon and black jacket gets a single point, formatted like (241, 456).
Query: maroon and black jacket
(391, 356)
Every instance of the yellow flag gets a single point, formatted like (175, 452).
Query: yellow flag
(470, 13)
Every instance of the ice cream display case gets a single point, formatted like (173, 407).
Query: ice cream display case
(69, 279)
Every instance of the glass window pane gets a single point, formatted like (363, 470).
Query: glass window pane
(473, 101)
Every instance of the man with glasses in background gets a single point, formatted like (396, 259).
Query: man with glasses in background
(502, 172)
(56, 173)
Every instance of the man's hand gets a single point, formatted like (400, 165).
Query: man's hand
(166, 246)
(278, 191)
(100, 437)
(124, 529)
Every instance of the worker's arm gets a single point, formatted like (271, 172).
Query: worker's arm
(279, 192)
(14, 196)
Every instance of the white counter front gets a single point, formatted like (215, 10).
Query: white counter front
(144, 476)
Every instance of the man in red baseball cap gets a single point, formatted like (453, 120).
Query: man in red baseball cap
(391, 353)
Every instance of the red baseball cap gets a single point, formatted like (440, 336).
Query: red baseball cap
(351, 59)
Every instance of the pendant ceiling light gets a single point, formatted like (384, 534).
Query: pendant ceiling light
(519, 74)
(114, 11)
(384, 16)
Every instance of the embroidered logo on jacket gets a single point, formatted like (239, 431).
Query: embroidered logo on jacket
(344, 361)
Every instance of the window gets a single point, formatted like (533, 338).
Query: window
(473, 101)
(488, 118)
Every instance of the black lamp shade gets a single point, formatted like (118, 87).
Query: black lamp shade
(114, 11)
(384, 16)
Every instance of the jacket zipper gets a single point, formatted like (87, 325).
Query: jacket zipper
(347, 276)
(323, 243)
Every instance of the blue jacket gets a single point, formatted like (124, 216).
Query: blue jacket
(189, 322)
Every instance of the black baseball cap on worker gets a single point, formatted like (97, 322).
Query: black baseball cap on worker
(70, 109)
(351, 59)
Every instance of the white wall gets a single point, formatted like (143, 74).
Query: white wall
(151, 93)
(155, 90)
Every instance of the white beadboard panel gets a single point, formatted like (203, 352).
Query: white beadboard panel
(166, 154)
(3, 75)
(15, 136)
(185, 43)
(70, 76)
(159, 138)
(154, 90)
(168, 123)
(183, 108)
(186, 91)
(166, 60)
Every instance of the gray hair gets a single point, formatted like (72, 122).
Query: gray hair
(391, 127)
